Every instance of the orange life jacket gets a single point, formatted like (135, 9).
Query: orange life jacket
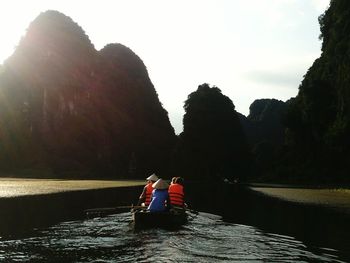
(149, 190)
(176, 194)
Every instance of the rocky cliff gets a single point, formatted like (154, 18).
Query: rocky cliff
(68, 109)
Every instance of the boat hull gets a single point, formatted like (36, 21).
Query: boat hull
(170, 219)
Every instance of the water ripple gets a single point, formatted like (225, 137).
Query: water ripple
(204, 239)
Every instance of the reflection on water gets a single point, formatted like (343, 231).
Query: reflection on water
(14, 187)
(203, 239)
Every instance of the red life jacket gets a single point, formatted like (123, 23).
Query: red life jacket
(149, 190)
(176, 194)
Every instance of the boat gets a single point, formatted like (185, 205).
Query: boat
(170, 219)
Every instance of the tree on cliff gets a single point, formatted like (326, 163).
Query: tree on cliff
(212, 144)
(318, 119)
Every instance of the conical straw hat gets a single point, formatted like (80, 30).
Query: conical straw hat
(160, 184)
(153, 178)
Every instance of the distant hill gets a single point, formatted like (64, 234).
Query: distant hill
(265, 115)
(212, 146)
(69, 110)
(265, 131)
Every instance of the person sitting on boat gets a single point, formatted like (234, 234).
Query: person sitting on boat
(176, 193)
(145, 197)
(160, 201)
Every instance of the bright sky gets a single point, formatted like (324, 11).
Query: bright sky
(250, 49)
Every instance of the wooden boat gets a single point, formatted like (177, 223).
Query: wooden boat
(170, 219)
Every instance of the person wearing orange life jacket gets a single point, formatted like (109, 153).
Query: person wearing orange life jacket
(176, 193)
(145, 197)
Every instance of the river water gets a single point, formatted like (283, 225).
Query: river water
(205, 238)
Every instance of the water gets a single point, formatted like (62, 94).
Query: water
(204, 239)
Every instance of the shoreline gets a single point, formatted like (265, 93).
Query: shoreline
(54, 201)
(21, 214)
(20, 187)
(329, 198)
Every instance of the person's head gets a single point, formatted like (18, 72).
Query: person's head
(173, 180)
(160, 184)
(152, 178)
(179, 180)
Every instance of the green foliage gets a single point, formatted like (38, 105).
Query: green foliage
(318, 119)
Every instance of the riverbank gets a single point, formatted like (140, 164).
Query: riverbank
(26, 204)
(335, 199)
(15, 187)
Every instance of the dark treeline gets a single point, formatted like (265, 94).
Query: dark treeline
(69, 110)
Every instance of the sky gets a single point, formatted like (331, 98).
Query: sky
(250, 49)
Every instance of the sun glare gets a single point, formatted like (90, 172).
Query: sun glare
(12, 28)
(169, 34)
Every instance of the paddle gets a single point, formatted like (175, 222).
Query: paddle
(211, 216)
(111, 210)
(208, 215)
(107, 210)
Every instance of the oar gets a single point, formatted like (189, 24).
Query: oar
(105, 210)
(192, 211)
(211, 216)
(208, 215)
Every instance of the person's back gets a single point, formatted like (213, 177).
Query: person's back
(158, 203)
(176, 194)
(160, 197)
(146, 194)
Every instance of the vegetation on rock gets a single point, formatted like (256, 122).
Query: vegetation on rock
(212, 145)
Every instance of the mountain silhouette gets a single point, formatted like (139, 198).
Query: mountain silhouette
(318, 118)
(70, 110)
